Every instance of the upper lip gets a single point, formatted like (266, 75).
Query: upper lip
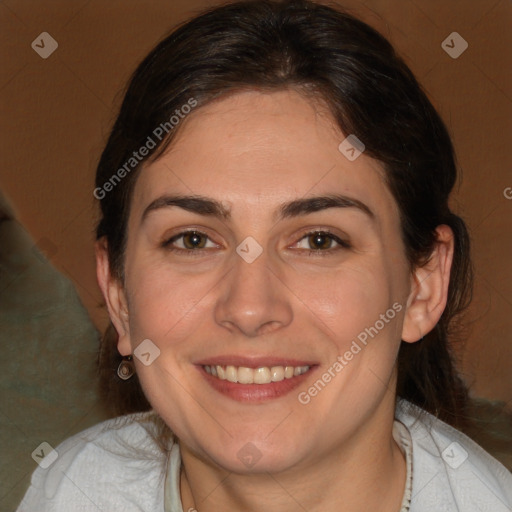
(253, 362)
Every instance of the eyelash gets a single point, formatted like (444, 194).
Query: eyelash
(342, 244)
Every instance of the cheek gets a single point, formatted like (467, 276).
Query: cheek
(345, 302)
(166, 306)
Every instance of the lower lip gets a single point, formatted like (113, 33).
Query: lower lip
(254, 392)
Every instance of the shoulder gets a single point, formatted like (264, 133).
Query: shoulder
(451, 471)
(117, 464)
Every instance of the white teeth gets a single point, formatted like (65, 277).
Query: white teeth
(231, 374)
(221, 373)
(277, 373)
(245, 375)
(262, 375)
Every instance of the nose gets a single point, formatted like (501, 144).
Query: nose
(253, 300)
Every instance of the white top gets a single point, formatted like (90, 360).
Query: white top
(118, 466)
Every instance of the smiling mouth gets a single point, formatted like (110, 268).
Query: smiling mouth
(262, 375)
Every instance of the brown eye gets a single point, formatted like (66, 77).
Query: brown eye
(189, 241)
(320, 240)
(321, 243)
(194, 240)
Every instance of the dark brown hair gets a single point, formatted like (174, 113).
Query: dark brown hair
(370, 92)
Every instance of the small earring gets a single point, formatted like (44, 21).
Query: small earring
(126, 368)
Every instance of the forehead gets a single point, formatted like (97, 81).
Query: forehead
(255, 150)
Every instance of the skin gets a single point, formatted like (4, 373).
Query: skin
(252, 152)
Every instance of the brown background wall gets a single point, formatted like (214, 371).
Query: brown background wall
(56, 114)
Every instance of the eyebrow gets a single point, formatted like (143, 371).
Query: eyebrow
(210, 207)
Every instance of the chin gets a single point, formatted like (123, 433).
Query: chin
(247, 457)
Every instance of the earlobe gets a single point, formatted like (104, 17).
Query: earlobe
(114, 295)
(429, 289)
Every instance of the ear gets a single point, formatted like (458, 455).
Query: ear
(114, 295)
(429, 289)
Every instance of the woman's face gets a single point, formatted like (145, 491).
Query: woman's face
(272, 278)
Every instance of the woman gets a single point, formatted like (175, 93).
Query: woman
(281, 269)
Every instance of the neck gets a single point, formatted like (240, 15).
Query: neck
(365, 472)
